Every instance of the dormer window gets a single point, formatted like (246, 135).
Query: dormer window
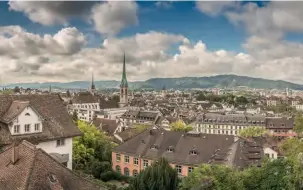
(27, 114)
(170, 149)
(193, 152)
(154, 147)
(283, 124)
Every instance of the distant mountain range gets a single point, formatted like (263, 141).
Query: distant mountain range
(219, 81)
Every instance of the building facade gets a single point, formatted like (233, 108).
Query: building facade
(40, 119)
(184, 151)
(230, 124)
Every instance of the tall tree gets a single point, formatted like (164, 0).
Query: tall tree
(75, 116)
(179, 125)
(252, 131)
(212, 177)
(159, 176)
(92, 151)
(298, 124)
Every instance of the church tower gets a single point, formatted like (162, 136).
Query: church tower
(123, 87)
(163, 92)
(92, 86)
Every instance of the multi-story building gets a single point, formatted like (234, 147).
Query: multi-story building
(280, 126)
(184, 151)
(229, 124)
(86, 105)
(273, 101)
(40, 119)
(140, 117)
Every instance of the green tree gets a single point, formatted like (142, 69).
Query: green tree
(252, 131)
(298, 128)
(201, 97)
(159, 176)
(75, 116)
(180, 126)
(92, 151)
(292, 149)
(217, 177)
(241, 100)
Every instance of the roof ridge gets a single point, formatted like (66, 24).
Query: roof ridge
(30, 169)
(70, 171)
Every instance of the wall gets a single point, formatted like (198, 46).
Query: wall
(272, 154)
(140, 166)
(23, 119)
(51, 147)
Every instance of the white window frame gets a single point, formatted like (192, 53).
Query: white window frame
(29, 128)
(179, 169)
(126, 159)
(60, 142)
(136, 161)
(16, 129)
(118, 157)
(37, 127)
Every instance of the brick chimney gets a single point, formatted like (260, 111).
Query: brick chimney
(15, 153)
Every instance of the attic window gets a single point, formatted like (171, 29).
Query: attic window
(193, 152)
(283, 124)
(170, 149)
(27, 114)
(154, 147)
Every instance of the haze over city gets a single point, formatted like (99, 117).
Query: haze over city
(67, 41)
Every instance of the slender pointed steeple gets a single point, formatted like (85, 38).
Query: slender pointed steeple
(92, 86)
(123, 87)
(124, 83)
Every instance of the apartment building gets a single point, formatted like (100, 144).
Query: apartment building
(184, 151)
(228, 124)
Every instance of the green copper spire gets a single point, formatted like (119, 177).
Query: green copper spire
(124, 83)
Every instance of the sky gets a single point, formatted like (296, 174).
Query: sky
(68, 41)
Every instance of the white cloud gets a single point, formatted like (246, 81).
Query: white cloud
(164, 4)
(29, 57)
(214, 8)
(107, 17)
(52, 12)
(272, 20)
(110, 17)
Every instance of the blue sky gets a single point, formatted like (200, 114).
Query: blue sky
(62, 41)
(181, 18)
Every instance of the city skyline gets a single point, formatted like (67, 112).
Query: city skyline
(66, 41)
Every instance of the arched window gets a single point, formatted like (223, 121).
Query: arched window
(154, 147)
(126, 171)
(27, 114)
(135, 173)
(118, 169)
(170, 149)
(193, 152)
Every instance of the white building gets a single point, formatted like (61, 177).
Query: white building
(40, 119)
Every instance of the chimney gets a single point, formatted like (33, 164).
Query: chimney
(15, 153)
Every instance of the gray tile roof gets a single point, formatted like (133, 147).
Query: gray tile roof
(205, 145)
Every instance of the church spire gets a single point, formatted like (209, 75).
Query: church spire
(92, 86)
(124, 83)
